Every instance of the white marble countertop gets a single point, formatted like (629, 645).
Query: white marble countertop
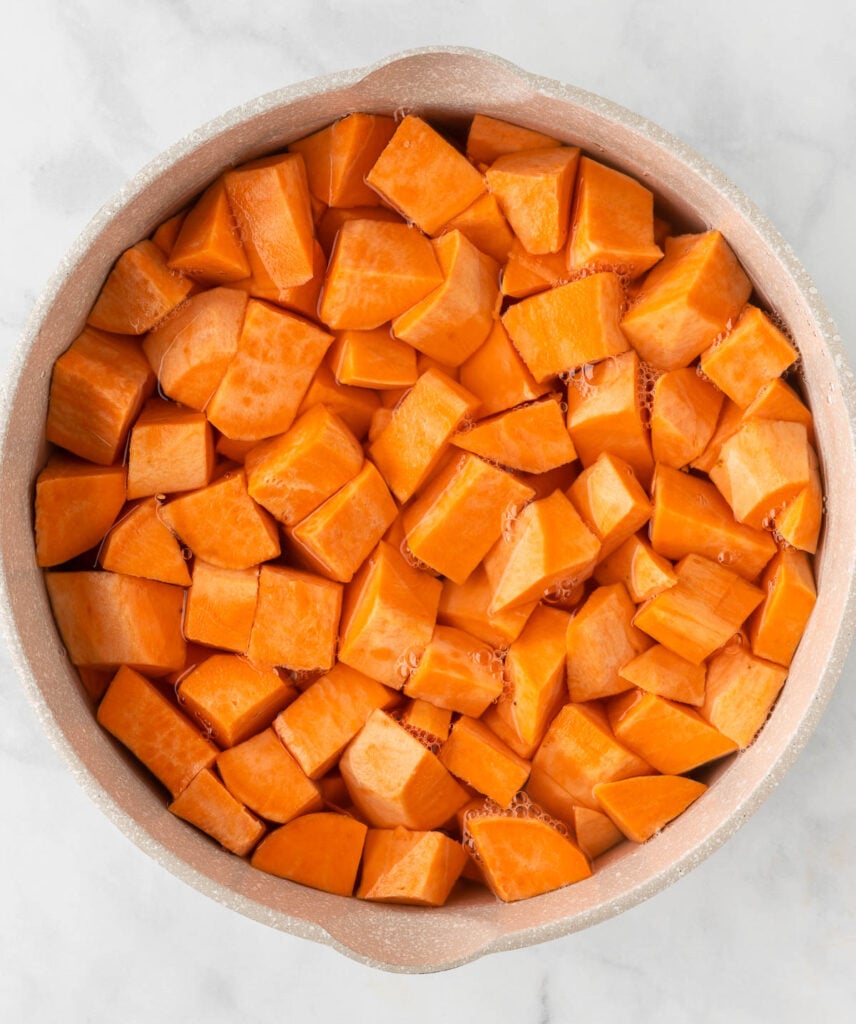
(92, 930)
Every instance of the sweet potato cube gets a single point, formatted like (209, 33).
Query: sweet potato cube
(684, 415)
(140, 544)
(641, 807)
(263, 386)
(532, 438)
(354, 406)
(232, 699)
(339, 156)
(165, 234)
(534, 189)
(601, 638)
(262, 774)
(605, 414)
(452, 321)
(484, 224)
(191, 349)
(490, 137)
(477, 756)
(270, 201)
(426, 718)
(777, 400)
(417, 868)
(456, 671)
(777, 625)
(596, 832)
(324, 719)
(373, 359)
(612, 221)
(171, 449)
(534, 683)
(107, 619)
(221, 606)
(753, 353)
(421, 425)
(394, 780)
(460, 515)
(221, 524)
(331, 221)
(321, 850)
(76, 504)
(466, 605)
(526, 274)
(377, 270)
(206, 803)
(543, 790)
(497, 376)
(154, 730)
(691, 516)
(547, 544)
(579, 750)
(208, 247)
(800, 521)
(568, 326)
(424, 176)
(98, 386)
(741, 690)
(524, 856)
(139, 292)
(686, 300)
(731, 418)
(610, 501)
(635, 564)
(389, 610)
(670, 736)
(297, 620)
(339, 535)
(661, 671)
(703, 610)
(761, 468)
(300, 298)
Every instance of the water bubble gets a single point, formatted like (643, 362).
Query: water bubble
(725, 557)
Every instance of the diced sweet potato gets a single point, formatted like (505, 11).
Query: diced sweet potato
(477, 756)
(610, 501)
(532, 438)
(661, 671)
(402, 866)
(777, 625)
(221, 606)
(206, 803)
(466, 606)
(456, 671)
(208, 247)
(741, 690)
(684, 414)
(171, 449)
(641, 807)
(635, 564)
(497, 376)
(140, 544)
(490, 137)
(373, 359)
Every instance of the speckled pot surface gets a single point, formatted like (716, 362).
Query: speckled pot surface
(447, 84)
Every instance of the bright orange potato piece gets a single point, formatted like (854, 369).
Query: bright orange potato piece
(524, 856)
(610, 501)
(76, 504)
(635, 564)
(324, 719)
(354, 406)
(532, 438)
(417, 868)
(299, 298)
(107, 619)
(661, 671)
(778, 624)
(526, 274)
(140, 544)
(731, 418)
(477, 756)
(466, 606)
(98, 386)
(154, 730)
(208, 247)
(171, 449)
(596, 833)
(489, 138)
(456, 671)
(484, 224)
(321, 850)
(221, 606)
(534, 189)
(777, 400)
(206, 803)
(425, 717)
(139, 292)
(373, 359)
(328, 227)
(799, 523)
(497, 376)
(568, 326)
(741, 690)
(424, 176)
(262, 774)
(394, 780)
(612, 221)
(191, 349)
(165, 234)
(684, 415)
(641, 807)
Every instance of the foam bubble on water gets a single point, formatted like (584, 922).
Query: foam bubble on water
(510, 515)
(426, 738)
(725, 557)
(646, 382)
(411, 559)
(407, 662)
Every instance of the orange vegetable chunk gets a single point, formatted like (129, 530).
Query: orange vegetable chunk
(262, 774)
(107, 619)
(569, 325)
(221, 606)
(730, 420)
(612, 221)
(456, 671)
(686, 300)
(641, 807)
(208, 247)
(778, 624)
(394, 780)
(684, 415)
(490, 137)
(373, 359)
(452, 321)
(324, 719)
(425, 717)
(479, 757)
(497, 376)
(661, 671)
(753, 353)
(334, 217)
(140, 544)
(703, 610)
(532, 438)
(299, 298)
(139, 292)
(424, 176)
(321, 850)
(154, 730)
(483, 223)
(232, 698)
(98, 386)
(76, 504)
(206, 803)
(270, 201)
(165, 234)
(417, 868)
(534, 189)
(191, 349)
(635, 564)
(297, 620)
(526, 274)
(263, 385)
(460, 515)
(466, 606)
(741, 690)
(524, 856)
(777, 400)
(171, 449)
(354, 406)
(221, 524)
(596, 832)
(610, 501)
(800, 521)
